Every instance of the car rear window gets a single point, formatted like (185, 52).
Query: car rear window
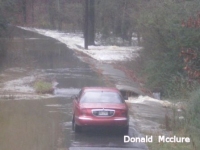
(101, 97)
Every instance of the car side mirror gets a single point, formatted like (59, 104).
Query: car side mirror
(74, 97)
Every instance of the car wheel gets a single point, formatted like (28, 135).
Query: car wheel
(76, 128)
(125, 130)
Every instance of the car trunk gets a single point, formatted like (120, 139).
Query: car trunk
(104, 110)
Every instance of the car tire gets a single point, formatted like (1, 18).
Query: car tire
(125, 130)
(76, 128)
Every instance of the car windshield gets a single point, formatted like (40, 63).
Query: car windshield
(101, 97)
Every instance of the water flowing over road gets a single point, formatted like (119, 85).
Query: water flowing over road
(29, 122)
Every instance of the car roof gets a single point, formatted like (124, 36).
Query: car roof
(108, 89)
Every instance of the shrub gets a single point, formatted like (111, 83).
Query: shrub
(163, 38)
(43, 87)
(194, 109)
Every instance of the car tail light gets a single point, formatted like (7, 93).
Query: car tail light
(83, 111)
(121, 113)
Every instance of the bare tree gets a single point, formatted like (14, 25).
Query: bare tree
(86, 24)
(91, 24)
(51, 9)
(89, 29)
(32, 11)
(24, 11)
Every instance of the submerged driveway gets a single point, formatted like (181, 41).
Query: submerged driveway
(43, 122)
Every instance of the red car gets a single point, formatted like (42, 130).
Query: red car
(100, 106)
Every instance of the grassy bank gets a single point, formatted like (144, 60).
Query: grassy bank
(189, 126)
(43, 87)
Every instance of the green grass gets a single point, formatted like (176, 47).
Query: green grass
(188, 128)
(43, 87)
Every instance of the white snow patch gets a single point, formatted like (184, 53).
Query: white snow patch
(144, 99)
(16, 69)
(32, 38)
(100, 53)
(53, 105)
(20, 85)
(66, 92)
(25, 96)
(53, 111)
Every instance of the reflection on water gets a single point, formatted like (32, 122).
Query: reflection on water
(47, 58)
(35, 124)
(39, 52)
(28, 125)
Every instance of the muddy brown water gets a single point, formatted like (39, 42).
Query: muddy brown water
(45, 124)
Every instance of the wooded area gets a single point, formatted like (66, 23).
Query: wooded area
(168, 31)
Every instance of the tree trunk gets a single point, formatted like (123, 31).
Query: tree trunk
(59, 16)
(51, 13)
(91, 22)
(138, 38)
(123, 21)
(32, 7)
(86, 24)
(24, 11)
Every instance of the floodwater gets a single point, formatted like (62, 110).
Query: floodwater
(45, 124)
